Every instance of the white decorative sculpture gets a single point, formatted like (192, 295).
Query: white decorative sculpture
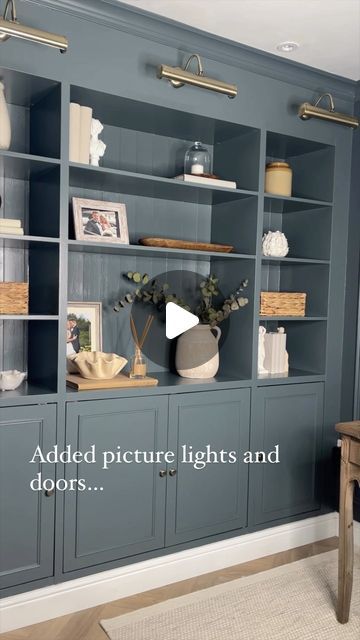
(261, 351)
(96, 365)
(276, 356)
(275, 244)
(5, 127)
(97, 147)
(10, 380)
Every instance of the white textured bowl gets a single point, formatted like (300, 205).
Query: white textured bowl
(70, 364)
(96, 365)
(10, 380)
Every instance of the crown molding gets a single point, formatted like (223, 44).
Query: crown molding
(144, 24)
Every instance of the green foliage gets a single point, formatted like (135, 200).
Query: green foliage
(158, 295)
(207, 312)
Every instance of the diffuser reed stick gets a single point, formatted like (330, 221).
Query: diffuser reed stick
(138, 364)
(140, 342)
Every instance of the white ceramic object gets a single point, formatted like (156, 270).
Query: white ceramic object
(275, 244)
(276, 356)
(10, 380)
(96, 365)
(97, 147)
(5, 126)
(261, 351)
(197, 352)
(70, 364)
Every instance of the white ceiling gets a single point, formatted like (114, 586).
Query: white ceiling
(328, 31)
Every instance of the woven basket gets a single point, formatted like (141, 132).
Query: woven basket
(14, 298)
(275, 303)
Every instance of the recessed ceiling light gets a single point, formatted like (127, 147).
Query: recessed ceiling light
(287, 46)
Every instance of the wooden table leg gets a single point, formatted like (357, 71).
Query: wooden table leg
(346, 541)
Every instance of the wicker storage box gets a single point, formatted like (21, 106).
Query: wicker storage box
(275, 303)
(14, 298)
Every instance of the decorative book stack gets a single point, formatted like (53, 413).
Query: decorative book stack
(11, 227)
(210, 181)
(80, 133)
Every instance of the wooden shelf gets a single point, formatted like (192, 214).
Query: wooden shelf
(294, 376)
(140, 184)
(140, 250)
(24, 242)
(168, 383)
(270, 260)
(27, 392)
(21, 166)
(298, 203)
(28, 317)
(292, 318)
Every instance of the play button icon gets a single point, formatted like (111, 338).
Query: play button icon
(178, 320)
(170, 318)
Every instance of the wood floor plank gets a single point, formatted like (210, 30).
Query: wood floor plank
(85, 624)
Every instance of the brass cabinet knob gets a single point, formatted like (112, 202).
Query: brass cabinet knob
(172, 472)
(162, 473)
(49, 492)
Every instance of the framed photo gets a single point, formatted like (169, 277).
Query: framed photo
(83, 327)
(99, 221)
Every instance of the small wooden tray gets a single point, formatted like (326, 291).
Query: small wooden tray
(120, 381)
(170, 243)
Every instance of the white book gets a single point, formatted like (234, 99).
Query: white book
(85, 132)
(214, 182)
(74, 132)
(9, 222)
(11, 231)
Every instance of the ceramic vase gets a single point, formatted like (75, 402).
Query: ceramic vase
(275, 244)
(197, 352)
(5, 127)
(276, 356)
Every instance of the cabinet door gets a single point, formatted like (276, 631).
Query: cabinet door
(26, 516)
(292, 417)
(203, 502)
(122, 510)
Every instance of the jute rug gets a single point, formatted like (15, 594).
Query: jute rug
(292, 602)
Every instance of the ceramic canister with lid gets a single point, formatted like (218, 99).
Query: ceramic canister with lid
(278, 179)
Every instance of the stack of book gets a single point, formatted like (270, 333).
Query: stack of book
(11, 227)
(80, 131)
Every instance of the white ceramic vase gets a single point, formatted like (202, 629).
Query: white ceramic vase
(275, 244)
(5, 126)
(197, 352)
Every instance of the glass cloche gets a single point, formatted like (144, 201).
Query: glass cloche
(197, 160)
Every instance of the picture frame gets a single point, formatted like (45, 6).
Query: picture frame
(84, 327)
(100, 221)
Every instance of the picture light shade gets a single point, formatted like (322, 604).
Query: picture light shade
(10, 27)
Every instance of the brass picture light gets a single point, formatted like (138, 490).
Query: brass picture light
(307, 111)
(178, 76)
(11, 28)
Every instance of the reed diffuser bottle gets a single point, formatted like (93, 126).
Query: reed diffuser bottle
(138, 367)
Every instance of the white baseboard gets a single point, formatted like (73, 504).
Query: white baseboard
(82, 593)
